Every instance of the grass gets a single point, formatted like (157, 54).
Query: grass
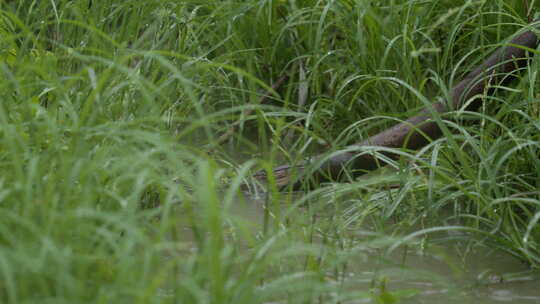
(119, 186)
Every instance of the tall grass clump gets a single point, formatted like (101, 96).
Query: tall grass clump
(128, 130)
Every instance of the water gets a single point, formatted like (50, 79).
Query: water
(444, 272)
(481, 276)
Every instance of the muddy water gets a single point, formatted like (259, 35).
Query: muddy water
(441, 273)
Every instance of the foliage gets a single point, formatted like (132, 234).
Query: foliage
(116, 186)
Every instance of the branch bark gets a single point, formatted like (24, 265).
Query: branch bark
(415, 132)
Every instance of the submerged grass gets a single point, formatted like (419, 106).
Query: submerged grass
(121, 181)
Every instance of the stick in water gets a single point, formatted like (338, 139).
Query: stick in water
(416, 131)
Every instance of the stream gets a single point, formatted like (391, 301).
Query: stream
(444, 272)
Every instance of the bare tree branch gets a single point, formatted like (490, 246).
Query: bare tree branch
(417, 131)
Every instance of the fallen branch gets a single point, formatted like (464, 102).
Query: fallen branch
(416, 131)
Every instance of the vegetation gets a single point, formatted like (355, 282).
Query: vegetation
(127, 129)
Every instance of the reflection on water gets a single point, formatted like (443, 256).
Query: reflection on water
(442, 273)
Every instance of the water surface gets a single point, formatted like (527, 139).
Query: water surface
(443, 272)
